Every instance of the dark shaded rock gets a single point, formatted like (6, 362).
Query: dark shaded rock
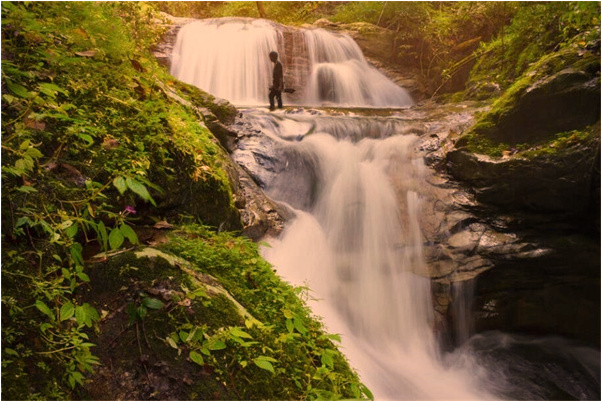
(227, 137)
(558, 293)
(565, 101)
(554, 183)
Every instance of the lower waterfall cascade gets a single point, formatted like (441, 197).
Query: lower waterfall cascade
(356, 243)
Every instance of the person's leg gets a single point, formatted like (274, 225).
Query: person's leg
(279, 97)
(272, 94)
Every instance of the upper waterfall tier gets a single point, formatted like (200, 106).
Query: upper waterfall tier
(228, 57)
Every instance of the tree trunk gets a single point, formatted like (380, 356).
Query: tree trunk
(261, 9)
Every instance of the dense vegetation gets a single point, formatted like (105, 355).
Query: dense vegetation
(97, 145)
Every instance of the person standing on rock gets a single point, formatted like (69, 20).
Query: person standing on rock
(277, 83)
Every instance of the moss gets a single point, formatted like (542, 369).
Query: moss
(223, 110)
(521, 114)
(238, 267)
(561, 142)
(195, 179)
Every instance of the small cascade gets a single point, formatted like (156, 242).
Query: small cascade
(228, 57)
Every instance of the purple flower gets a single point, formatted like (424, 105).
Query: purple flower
(130, 209)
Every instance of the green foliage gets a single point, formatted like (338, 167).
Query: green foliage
(87, 128)
(280, 343)
(284, 12)
(537, 28)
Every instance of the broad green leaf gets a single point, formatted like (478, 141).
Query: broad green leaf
(142, 312)
(51, 89)
(91, 312)
(40, 305)
(34, 153)
(86, 315)
(289, 325)
(287, 313)
(115, 239)
(129, 233)
(151, 303)
(10, 351)
(139, 189)
(18, 90)
(327, 359)
(65, 224)
(76, 253)
(191, 335)
(367, 392)
(266, 358)
(216, 345)
(119, 183)
(84, 277)
(67, 311)
(240, 333)
(332, 337)
(264, 364)
(24, 145)
(299, 325)
(27, 189)
(22, 221)
(197, 358)
(171, 342)
(71, 231)
(102, 234)
(86, 137)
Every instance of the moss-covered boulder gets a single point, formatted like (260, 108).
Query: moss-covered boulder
(538, 146)
(557, 178)
(203, 316)
(560, 92)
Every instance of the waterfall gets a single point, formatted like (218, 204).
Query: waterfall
(358, 246)
(357, 188)
(229, 58)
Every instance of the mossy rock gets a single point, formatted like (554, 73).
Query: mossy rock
(221, 108)
(557, 177)
(137, 361)
(198, 318)
(560, 92)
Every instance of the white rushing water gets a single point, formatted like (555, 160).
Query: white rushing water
(229, 59)
(359, 249)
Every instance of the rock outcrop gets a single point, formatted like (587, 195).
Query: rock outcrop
(559, 183)
(549, 191)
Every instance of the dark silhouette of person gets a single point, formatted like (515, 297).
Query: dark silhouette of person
(277, 83)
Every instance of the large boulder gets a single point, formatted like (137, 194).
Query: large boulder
(560, 92)
(558, 293)
(563, 182)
